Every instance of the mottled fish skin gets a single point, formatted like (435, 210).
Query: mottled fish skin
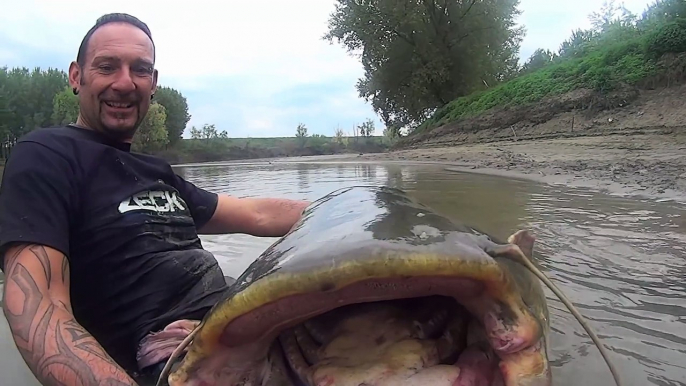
(355, 231)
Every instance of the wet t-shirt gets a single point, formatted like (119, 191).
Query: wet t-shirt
(127, 224)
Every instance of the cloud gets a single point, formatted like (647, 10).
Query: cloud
(253, 68)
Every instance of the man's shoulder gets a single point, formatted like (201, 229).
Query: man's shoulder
(42, 143)
(48, 135)
(62, 140)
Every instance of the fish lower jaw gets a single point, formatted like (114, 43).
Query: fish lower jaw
(340, 337)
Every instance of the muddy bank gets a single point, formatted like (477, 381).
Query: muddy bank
(648, 165)
(636, 149)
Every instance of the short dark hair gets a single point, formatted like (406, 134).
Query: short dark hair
(112, 18)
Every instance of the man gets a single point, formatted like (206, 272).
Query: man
(100, 245)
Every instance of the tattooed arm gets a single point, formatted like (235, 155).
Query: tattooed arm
(271, 217)
(56, 348)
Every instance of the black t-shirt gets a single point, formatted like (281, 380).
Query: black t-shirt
(127, 224)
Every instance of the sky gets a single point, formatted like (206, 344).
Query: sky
(252, 68)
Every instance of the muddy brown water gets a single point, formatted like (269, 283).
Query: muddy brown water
(622, 261)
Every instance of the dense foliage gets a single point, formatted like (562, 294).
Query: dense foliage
(620, 49)
(426, 63)
(176, 112)
(31, 99)
(429, 62)
(420, 55)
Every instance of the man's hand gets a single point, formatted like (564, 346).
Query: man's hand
(37, 306)
(267, 217)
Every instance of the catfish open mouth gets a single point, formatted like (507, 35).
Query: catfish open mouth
(449, 307)
(455, 324)
(421, 341)
(393, 331)
(428, 340)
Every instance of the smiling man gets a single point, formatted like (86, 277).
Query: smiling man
(100, 245)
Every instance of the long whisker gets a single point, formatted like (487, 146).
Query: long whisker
(527, 263)
(175, 354)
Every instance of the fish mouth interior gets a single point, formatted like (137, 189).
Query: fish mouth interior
(437, 330)
(390, 342)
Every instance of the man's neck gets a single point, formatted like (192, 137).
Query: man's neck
(101, 137)
(82, 124)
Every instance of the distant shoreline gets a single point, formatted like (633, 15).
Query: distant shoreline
(636, 147)
(651, 165)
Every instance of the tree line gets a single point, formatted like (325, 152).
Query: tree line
(421, 56)
(619, 54)
(31, 99)
(659, 30)
(37, 98)
(426, 63)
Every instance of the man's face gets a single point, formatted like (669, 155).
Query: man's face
(117, 80)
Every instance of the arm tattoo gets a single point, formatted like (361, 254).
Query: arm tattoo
(59, 351)
(65, 269)
(44, 260)
(21, 323)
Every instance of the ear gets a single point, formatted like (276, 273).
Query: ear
(75, 75)
(154, 81)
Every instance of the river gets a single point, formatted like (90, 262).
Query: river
(621, 261)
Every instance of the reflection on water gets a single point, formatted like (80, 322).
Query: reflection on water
(622, 262)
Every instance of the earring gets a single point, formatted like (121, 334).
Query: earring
(75, 91)
(152, 96)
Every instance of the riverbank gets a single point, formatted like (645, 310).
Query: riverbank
(649, 165)
(636, 149)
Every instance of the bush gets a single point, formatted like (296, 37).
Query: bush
(669, 38)
(621, 54)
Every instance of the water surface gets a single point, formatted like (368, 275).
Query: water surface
(621, 261)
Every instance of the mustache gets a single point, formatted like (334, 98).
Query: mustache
(120, 99)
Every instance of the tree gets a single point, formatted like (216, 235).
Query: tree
(662, 12)
(539, 59)
(152, 134)
(5, 114)
(420, 55)
(578, 45)
(176, 107)
(301, 131)
(611, 24)
(35, 98)
(208, 131)
(301, 134)
(196, 133)
(338, 135)
(29, 97)
(391, 134)
(366, 128)
(65, 107)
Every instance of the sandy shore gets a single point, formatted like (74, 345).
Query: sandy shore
(637, 147)
(648, 165)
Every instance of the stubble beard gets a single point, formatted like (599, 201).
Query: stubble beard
(117, 132)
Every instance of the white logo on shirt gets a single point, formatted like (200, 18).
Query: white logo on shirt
(154, 201)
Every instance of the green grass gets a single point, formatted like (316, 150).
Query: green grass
(280, 142)
(221, 149)
(603, 68)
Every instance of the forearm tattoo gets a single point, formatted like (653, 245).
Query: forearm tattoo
(57, 349)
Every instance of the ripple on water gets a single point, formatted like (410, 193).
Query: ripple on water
(620, 261)
(615, 258)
